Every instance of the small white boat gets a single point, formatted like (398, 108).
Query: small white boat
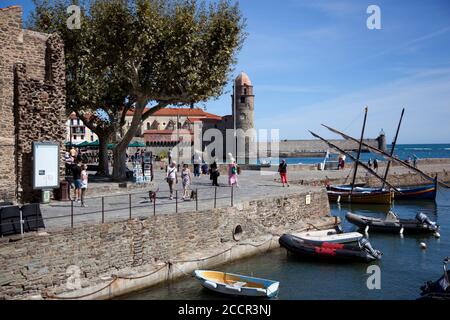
(329, 235)
(237, 285)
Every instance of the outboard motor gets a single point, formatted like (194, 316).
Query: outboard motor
(365, 244)
(338, 229)
(423, 218)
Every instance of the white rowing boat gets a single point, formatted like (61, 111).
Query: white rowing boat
(238, 285)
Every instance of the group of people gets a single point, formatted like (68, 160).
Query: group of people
(373, 163)
(78, 171)
(187, 176)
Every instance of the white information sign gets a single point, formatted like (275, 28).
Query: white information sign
(45, 165)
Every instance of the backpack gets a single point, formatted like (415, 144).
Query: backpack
(233, 170)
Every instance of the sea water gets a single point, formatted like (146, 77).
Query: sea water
(402, 151)
(404, 266)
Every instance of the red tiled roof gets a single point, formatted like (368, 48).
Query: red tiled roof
(165, 132)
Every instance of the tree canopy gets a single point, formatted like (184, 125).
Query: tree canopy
(131, 54)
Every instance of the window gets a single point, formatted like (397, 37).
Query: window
(242, 99)
(82, 137)
(74, 137)
(245, 91)
(148, 125)
(72, 122)
(92, 137)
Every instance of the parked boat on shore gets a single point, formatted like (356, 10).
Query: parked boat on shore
(440, 289)
(237, 285)
(392, 223)
(333, 252)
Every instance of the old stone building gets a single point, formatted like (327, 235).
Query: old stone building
(32, 101)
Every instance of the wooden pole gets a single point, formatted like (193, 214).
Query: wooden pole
(393, 148)
(359, 150)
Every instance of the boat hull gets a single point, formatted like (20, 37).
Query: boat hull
(379, 225)
(331, 252)
(329, 235)
(237, 285)
(380, 197)
(425, 192)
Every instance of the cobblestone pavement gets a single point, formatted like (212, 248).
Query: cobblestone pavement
(252, 185)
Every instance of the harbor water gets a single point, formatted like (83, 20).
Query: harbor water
(404, 266)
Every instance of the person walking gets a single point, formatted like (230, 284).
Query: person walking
(369, 164)
(214, 174)
(197, 162)
(186, 178)
(375, 165)
(282, 169)
(84, 184)
(172, 177)
(233, 173)
(76, 175)
(205, 168)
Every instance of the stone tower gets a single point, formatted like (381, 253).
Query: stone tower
(244, 102)
(244, 107)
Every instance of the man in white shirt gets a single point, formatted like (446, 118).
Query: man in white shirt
(171, 177)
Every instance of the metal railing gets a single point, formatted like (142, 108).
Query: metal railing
(124, 206)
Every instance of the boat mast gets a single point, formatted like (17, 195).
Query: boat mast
(354, 159)
(393, 148)
(403, 163)
(359, 150)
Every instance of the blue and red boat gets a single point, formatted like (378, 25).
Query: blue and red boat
(424, 192)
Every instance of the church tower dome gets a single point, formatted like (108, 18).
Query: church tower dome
(243, 79)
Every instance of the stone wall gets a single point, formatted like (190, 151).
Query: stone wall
(301, 146)
(40, 262)
(11, 46)
(32, 101)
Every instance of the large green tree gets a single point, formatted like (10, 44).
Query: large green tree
(138, 54)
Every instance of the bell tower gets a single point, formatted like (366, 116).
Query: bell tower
(244, 102)
(243, 113)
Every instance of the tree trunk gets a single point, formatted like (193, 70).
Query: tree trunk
(103, 163)
(119, 152)
(120, 163)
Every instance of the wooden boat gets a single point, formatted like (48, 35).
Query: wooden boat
(334, 252)
(237, 285)
(440, 289)
(425, 192)
(380, 197)
(422, 224)
(329, 236)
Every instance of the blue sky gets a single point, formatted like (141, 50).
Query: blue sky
(314, 62)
